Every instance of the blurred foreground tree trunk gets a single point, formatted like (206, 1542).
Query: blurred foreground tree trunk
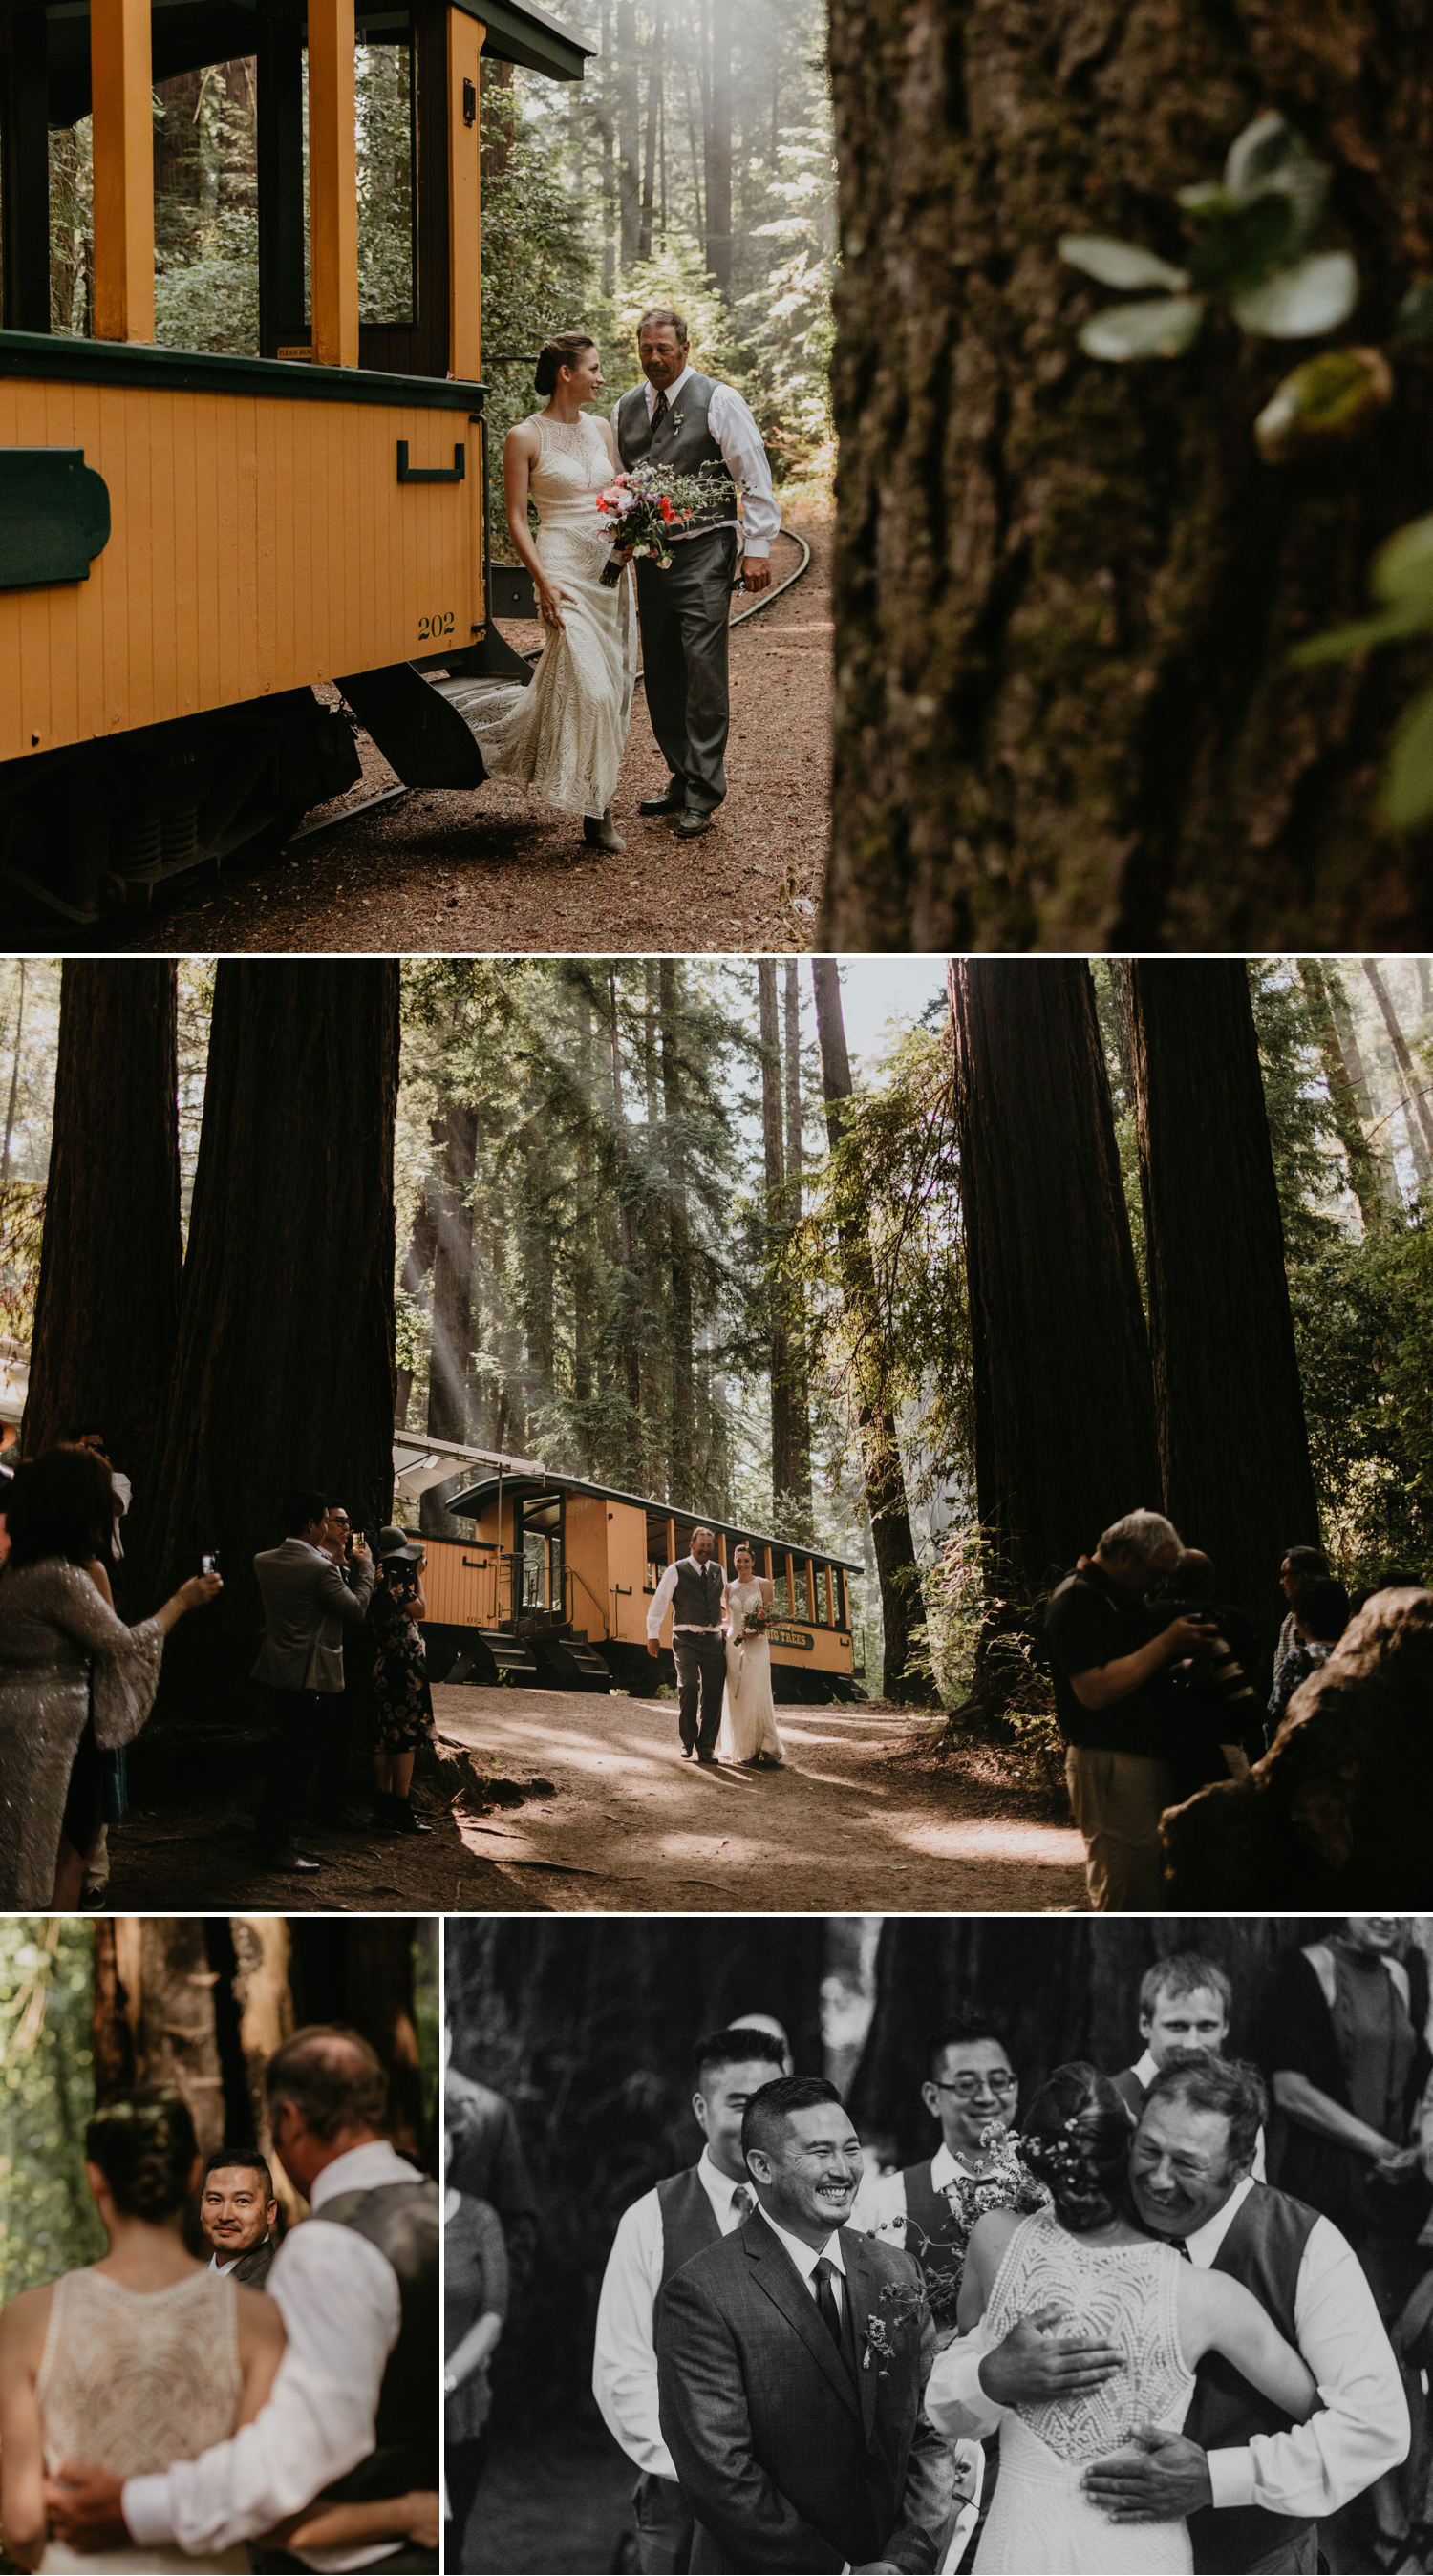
(284, 1371)
(902, 1602)
(1064, 1409)
(1065, 590)
(1234, 1448)
(108, 1302)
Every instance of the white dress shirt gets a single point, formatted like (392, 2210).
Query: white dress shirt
(1318, 2466)
(881, 2202)
(657, 1607)
(1144, 2071)
(806, 2257)
(624, 2359)
(739, 439)
(341, 2307)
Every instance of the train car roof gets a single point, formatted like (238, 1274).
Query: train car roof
(474, 1498)
(187, 35)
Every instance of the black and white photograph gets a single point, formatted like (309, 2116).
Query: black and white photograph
(939, 2243)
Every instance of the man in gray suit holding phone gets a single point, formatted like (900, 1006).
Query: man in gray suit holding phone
(791, 2358)
(313, 1587)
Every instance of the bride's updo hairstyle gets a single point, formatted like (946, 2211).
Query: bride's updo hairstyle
(144, 2145)
(565, 350)
(1076, 2137)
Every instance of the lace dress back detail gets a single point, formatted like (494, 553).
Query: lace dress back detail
(1042, 2523)
(130, 2381)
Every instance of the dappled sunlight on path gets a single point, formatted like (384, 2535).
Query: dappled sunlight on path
(861, 1818)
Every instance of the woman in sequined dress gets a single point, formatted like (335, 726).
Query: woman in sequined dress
(63, 1654)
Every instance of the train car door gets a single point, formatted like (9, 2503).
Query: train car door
(627, 1571)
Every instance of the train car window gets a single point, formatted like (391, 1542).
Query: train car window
(72, 230)
(383, 103)
(206, 209)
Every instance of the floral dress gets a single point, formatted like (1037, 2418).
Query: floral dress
(400, 1675)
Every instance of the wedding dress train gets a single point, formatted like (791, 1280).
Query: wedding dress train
(563, 735)
(1041, 2522)
(748, 1716)
(132, 2380)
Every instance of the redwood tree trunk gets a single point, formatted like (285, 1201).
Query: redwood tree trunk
(284, 1369)
(902, 1604)
(1235, 1453)
(785, 1466)
(1064, 1412)
(683, 1359)
(1065, 590)
(108, 1301)
(454, 1336)
(1363, 1177)
(796, 1355)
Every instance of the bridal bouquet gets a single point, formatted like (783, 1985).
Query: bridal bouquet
(645, 504)
(1006, 2183)
(757, 1623)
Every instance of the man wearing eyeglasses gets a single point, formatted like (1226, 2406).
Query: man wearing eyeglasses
(971, 2084)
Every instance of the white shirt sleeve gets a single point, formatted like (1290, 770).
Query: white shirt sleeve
(739, 439)
(624, 2359)
(954, 2399)
(1363, 2426)
(341, 2307)
(658, 1603)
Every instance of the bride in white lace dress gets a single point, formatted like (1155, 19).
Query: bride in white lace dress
(564, 734)
(144, 2358)
(748, 1716)
(1086, 2257)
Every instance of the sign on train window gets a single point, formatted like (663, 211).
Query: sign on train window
(383, 108)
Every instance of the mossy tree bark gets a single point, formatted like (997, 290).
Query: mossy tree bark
(1232, 1438)
(1064, 1407)
(284, 1373)
(902, 1603)
(108, 1303)
(1065, 590)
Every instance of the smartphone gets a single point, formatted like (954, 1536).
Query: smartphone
(209, 1564)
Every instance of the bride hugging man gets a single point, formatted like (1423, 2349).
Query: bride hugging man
(1185, 2368)
(157, 2413)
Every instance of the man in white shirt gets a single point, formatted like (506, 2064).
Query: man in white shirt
(237, 2213)
(655, 2237)
(696, 1588)
(358, 2287)
(1251, 2485)
(692, 424)
(1184, 2006)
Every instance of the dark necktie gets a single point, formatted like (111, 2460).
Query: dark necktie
(1180, 2247)
(826, 2297)
(743, 2201)
(659, 412)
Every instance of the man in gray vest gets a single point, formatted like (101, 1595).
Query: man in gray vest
(1250, 2484)
(686, 421)
(696, 1589)
(352, 2417)
(655, 2237)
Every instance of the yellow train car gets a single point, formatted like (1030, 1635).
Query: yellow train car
(555, 1585)
(192, 543)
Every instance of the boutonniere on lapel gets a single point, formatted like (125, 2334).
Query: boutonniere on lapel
(888, 2335)
(675, 418)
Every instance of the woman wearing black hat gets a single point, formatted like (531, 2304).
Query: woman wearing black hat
(400, 1680)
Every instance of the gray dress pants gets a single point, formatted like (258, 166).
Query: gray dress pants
(684, 616)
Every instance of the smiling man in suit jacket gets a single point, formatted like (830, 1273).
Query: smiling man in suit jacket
(791, 2360)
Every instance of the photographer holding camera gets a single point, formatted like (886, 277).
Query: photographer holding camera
(400, 1680)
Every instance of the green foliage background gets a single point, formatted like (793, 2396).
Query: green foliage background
(47, 2219)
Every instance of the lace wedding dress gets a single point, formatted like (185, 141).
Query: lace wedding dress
(748, 1718)
(563, 735)
(131, 2380)
(1041, 2522)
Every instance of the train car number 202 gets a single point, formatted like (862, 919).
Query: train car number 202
(436, 630)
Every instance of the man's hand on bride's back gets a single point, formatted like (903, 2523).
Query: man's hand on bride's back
(1034, 2364)
(82, 2507)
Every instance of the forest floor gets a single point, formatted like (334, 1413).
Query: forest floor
(486, 871)
(560, 2507)
(868, 1816)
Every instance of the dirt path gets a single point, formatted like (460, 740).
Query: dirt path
(485, 871)
(864, 1819)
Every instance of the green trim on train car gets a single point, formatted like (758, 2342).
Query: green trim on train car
(54, 516)
(191, 371)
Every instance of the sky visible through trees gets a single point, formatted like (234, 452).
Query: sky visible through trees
(599, 1263)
